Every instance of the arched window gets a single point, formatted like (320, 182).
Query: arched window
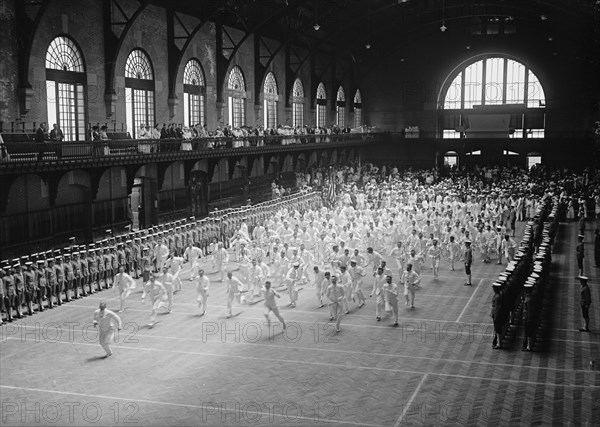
(270, 101)
(298, 103)
(139, 92)
(321, 105)
(451, 159)
(237, 94)
(65, 86)
(340, 108)
(194, 94)
(533, 159)
(357, 109)
(493, 96)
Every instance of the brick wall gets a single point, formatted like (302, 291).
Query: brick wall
(8, 64)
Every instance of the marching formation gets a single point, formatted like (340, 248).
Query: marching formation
(336, 243)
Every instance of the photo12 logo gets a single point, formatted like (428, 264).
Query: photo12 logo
(53, 332)
(69, 413)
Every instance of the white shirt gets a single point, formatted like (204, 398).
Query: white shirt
(106, 320)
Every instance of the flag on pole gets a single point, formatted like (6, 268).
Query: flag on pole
(332, 188)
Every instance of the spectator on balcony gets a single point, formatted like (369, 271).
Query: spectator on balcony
(164, 134)
(179, 131)
(56, 134)
(4, 155)
(156, 132)
(171, 131)
(40, 138)
(104, 133)
(203, 132)
(143, 133)
(95, 133)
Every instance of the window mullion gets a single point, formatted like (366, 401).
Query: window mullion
(504, 80)
(483, 80)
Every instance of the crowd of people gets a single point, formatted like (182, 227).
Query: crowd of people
(335, 236)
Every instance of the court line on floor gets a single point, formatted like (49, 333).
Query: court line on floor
(355, 352)
(337, 365)
(261, 310)
(351, 325)
(411, 400)
(354, 314)
(183, 405)
(479, 286)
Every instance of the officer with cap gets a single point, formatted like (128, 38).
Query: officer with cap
(497, 315)
(585, 302)
(529, 316)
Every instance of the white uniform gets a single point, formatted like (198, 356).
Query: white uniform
(107, 321)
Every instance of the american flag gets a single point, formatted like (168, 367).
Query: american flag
(332, 188)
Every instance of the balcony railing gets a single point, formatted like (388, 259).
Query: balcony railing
(16, 150)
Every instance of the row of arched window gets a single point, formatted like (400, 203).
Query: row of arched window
(65, 80)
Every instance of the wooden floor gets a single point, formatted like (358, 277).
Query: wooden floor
(437, 368)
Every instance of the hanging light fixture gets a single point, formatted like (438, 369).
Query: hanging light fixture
(368, 45)
(316, 26)
(443, 27)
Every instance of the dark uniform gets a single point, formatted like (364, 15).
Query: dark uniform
(77, 274)
(11, 294)
(106, 259)
(30, 286)
(128, 256)
(42, 284)
(69, 277)
(85, 272)
(61, 280)
(51, 290)
(2, 294)
(529, 315)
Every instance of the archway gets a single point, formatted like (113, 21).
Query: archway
(533, 159)
(451, 159)
(112, 206)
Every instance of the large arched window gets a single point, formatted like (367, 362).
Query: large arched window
(236, 97)
(493, 96)
(298, 103)
(139, 92)
(65, 85)
(340, 108)
(321, 105)
(194, 94)
(270, 101)
(357, 109)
